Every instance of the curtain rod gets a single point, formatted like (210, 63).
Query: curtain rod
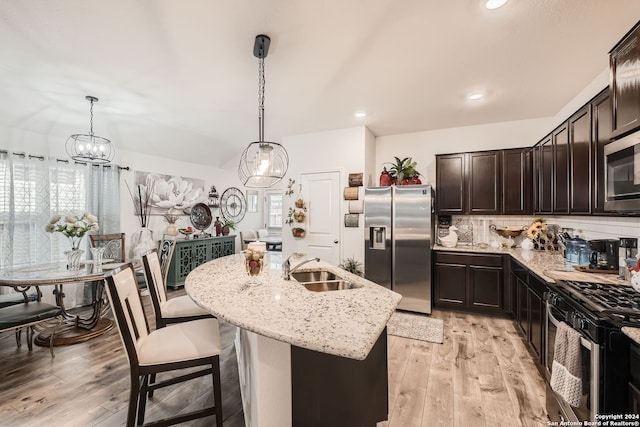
(41, 158)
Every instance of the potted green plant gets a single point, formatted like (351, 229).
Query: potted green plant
(404, 172)
(227, 226)
(351, 265)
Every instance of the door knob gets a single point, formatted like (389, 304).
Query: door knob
(335, 241)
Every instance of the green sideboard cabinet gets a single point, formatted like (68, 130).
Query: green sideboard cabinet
(190, 253)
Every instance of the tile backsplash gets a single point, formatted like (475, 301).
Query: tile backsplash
(587, 227)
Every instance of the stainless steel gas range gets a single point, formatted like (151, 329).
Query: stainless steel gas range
(598, 312)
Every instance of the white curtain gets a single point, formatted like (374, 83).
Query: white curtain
(32, 190)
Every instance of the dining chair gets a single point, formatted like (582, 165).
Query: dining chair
(168, 311)
(175, 347)
(263, 232)
(30, 315)
(113, 245)
(165, 250)
(247, 235)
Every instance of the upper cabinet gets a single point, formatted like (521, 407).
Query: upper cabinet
(568, 164)
(560, 139)
(516, 181)
(450, 183)
(484, 182)
(601, 130)
(543, 155)
(624, 61)
(580, 163)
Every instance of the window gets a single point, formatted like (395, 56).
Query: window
(33, 189)
(273, 210)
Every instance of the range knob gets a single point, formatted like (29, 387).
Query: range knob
(579, 322)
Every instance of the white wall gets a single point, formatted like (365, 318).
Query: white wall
(340, 150)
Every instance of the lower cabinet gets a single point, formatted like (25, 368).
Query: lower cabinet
(190, 253)
(529, 308)
(470, 281)
(634, 382)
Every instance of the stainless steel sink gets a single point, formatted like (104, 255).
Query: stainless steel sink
(330, 285)
(322, 281)
(313, 276)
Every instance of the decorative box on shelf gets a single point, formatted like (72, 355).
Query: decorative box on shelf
(190, 253)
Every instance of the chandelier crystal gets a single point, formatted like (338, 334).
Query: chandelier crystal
(262, 163)
(90, 148)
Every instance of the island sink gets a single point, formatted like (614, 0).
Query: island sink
(322, 281)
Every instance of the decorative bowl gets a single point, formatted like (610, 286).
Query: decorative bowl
(507, 232)
(186, 232)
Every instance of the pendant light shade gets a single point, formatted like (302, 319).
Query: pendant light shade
(262, 163)
(90, 148)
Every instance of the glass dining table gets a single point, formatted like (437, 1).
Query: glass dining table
(76, 327)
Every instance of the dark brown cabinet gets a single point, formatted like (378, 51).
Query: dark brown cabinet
(451, 183)
(580, 162)
(469, 281)
(625, 83)
(560, 138)
(543, 153)
(484, 182)
(529, 308)
(634, 380)
(602, 131)
(517, 181)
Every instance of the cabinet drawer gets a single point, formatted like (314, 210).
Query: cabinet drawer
(485, 260)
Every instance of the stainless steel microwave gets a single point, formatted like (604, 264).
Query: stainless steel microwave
(622, 174)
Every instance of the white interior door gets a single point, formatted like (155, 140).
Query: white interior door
(322, 192)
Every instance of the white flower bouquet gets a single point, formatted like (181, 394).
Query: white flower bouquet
(73, 227)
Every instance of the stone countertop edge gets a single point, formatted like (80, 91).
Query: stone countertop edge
(344, 323)
(536, 261)
(633, 333)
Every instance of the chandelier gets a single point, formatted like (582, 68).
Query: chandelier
(89, 147)
(262, 163)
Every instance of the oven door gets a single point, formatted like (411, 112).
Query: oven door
(557, 407)
(622, 174)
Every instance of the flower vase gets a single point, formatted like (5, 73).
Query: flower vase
(171, 230)
(142, 243)
(218, 226)
(96, 256)
(73, 259)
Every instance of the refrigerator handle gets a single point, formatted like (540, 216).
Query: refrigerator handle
(377, 237)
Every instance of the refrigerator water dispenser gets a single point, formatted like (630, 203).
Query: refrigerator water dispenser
(378, 237)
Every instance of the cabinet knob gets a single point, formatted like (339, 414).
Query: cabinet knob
(335, 241)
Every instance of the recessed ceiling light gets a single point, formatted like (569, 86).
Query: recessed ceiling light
(494, 4)
(475, 96)
(360, 114)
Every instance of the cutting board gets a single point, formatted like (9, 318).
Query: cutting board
(580, 276)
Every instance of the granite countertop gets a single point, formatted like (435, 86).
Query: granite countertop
(344, 323)
(538, 262)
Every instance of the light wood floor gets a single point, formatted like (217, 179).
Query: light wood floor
(481, 375)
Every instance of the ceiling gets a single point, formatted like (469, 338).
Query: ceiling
(178, 78)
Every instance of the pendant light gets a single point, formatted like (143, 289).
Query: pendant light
(262, 163)
(90, 148)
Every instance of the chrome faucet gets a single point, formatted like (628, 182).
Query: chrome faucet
(286, 266)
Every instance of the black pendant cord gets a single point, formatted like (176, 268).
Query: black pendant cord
(261, 84)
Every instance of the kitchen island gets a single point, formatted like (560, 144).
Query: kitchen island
(319, 355)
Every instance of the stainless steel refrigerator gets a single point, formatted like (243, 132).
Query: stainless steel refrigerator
(399, 233)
